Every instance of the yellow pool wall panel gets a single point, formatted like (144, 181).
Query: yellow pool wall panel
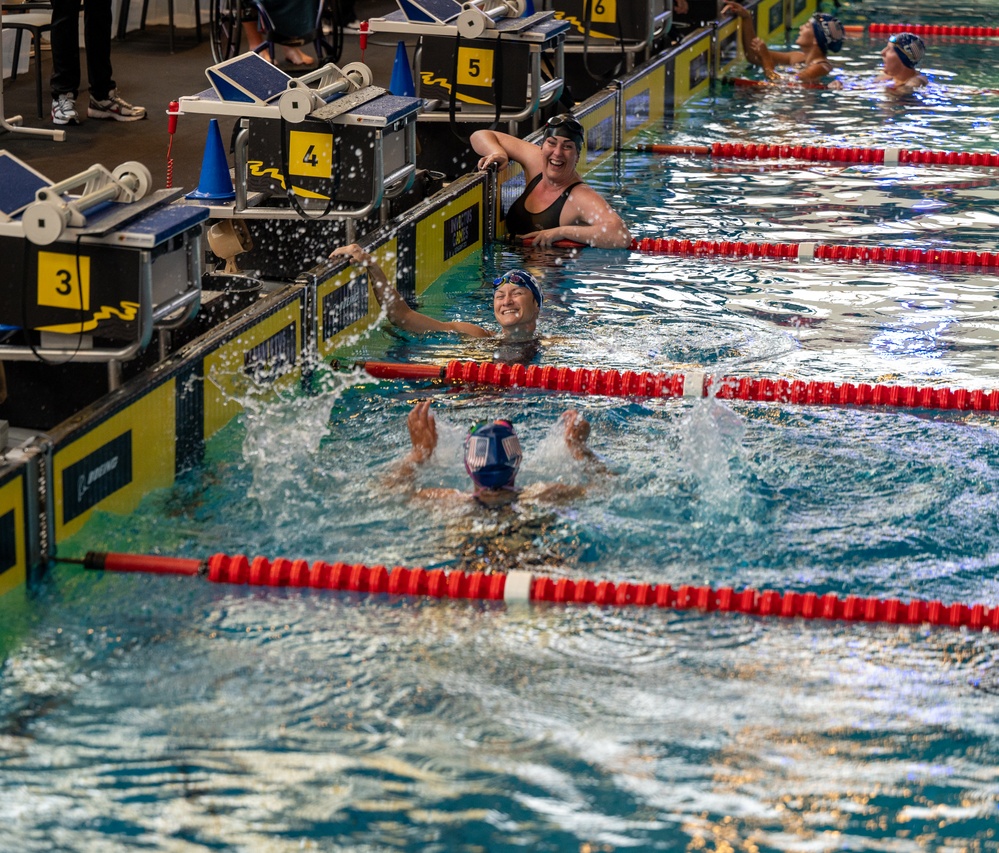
(117, 462)
(13, 548)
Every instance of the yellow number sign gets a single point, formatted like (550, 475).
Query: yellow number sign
(310, 154)
(64, 280)
(475, 67)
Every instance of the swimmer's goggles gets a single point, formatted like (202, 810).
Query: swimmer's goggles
(565, 126)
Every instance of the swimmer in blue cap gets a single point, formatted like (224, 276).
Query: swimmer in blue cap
(492, 459)
(818, 36)
(556, 204)
(899, 59)
(517, 302)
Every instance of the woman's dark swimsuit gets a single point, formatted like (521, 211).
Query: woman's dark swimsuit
(519, 220)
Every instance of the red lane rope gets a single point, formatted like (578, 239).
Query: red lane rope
(818, 251)
(825, 154)
(934, 30)
(497, 586)
(693, 383)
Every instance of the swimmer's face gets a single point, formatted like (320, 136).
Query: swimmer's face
(560, 155)
(514, 305)
(806, 35)
(891, 61)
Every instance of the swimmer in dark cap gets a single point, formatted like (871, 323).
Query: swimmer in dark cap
(899, 59)
(556, 204)
(492, 459)
(820, 35)
(517, 302)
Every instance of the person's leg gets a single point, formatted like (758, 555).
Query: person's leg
(97, 38)
(65, 42)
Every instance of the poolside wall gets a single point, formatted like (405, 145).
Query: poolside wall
(141, 436)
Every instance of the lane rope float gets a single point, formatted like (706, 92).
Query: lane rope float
(689, 383)
(519, 586)
(825, 154)
(815, 251)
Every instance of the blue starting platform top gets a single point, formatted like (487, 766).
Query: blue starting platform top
(247, 79)
(20, 183)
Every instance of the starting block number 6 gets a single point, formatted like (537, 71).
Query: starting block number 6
(475, 66)
(604, 11)
(310, 154)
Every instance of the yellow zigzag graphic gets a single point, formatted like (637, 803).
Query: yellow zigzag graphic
(256, 168)
(427, 79)
(127, 312)
(574, 21)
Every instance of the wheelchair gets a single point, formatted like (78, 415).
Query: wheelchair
(285, 22)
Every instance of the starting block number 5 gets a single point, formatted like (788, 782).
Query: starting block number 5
(59, 284)
(310, 154)
(475, 66)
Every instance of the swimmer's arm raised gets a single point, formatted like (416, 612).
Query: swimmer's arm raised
(396, 309)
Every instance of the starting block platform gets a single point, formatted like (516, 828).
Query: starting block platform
(326, 145)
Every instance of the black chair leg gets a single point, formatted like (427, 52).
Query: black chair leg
(38, 70)
(17, 54)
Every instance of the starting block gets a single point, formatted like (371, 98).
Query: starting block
(481, 60)
(89, 275)
(326, 145)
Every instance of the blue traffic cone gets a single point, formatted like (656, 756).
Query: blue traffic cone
(214, 183)
(402, 77)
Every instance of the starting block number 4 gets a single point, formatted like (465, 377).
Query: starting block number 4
(475, 66)
(58, 283)
(310, 154)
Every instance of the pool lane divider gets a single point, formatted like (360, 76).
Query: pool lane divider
(690, 383)
(519, 586)
(815, 251)
(927, 30)
(823, 153)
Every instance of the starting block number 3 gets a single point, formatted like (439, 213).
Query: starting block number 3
(475, 66)
(59, 285)
(310, 154)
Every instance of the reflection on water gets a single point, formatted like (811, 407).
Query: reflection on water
(164, 713)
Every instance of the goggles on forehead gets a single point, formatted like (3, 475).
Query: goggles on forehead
(565, 126)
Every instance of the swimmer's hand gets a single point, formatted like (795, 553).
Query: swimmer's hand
(354, 252)
(543, 239)
(497, 157)
(577, 433)
(422, 433)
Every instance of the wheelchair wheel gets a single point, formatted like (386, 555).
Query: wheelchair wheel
(225, 21)
(329, 33)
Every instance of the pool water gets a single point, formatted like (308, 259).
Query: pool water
(141, 712)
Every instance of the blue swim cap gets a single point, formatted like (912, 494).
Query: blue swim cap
(521, 278)
(829, 32)
(492, 455)
(909, 47)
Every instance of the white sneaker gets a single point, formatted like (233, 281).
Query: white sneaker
(115, 108)
(64, 110)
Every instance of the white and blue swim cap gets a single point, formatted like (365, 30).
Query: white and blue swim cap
(829, 32)
(521, 278)
(909, 47)
(492, 455)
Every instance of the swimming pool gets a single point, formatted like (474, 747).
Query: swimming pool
(174, 714)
